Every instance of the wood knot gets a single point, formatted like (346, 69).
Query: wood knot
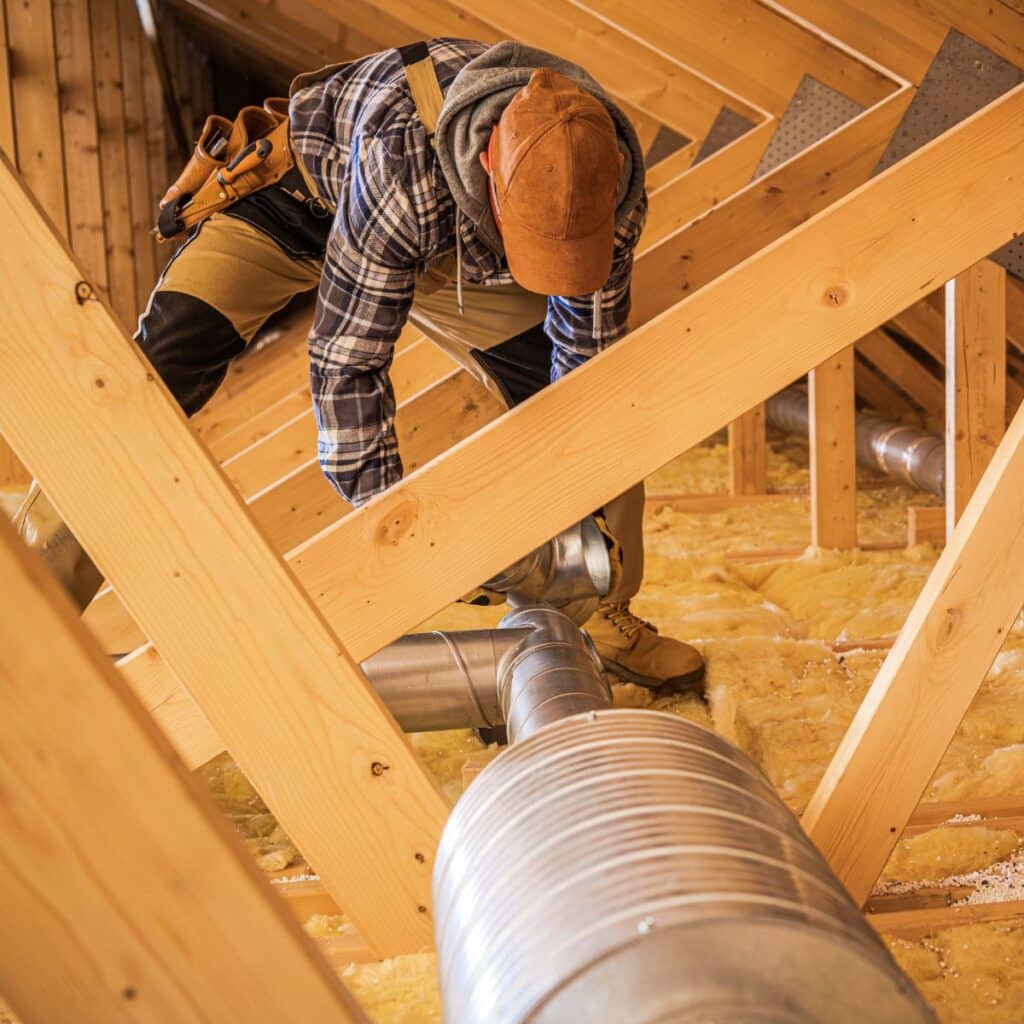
(950, 622)
(835, 295)
(396, 522)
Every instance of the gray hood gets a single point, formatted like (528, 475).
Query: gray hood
(474, 102)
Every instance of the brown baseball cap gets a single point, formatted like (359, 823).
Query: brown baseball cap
(555, 162)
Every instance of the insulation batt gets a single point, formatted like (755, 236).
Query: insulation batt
(776, 688)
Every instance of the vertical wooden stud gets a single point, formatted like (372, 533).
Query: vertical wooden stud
(7, 142)
(748, 453)
(975, 379)
(833, 453)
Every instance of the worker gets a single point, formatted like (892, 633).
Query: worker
(491, 195)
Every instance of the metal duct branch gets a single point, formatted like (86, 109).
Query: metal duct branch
(906, 453)
(632, 866)
(571, 571)
(484, 678)
(537, 666)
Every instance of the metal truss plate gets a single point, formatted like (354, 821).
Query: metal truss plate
(963, 78)
(814, 111)
(727, 127)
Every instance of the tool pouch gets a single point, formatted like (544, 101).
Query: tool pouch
(231, 160)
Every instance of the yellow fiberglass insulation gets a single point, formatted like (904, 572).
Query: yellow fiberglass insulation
(845, 595)
(398, 991)
(972, 974)
(954, 850)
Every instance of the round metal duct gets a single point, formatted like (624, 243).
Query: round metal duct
(632, 866)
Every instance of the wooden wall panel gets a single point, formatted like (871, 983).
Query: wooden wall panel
(36, 105)
(136, 150)
(157, 133)
(117, 215)
(75, 71)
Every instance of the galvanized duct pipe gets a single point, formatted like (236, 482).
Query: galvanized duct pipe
(535, 668)
(907, 453)
(571, 571)
(433, 681)
(632, 866)
(478, 679)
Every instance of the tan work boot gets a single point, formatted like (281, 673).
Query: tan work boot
(43, 530)
(631, 649)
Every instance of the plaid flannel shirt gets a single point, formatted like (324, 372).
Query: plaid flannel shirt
(362, 142)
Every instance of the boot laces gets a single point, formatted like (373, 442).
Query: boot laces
(625, 621)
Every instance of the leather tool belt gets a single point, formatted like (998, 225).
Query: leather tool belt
(231, 160)
(234, 159)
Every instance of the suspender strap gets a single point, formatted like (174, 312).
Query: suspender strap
(423, 84)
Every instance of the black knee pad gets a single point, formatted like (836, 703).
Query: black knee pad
(190, 345)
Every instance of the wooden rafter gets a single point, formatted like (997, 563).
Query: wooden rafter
(763, 211)
(833, 452)
(751, 49)
(201, 580)
(186, 928)
(658, 86)
(975, 379)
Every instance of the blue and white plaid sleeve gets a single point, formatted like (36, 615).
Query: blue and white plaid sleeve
(570, 321)
(366, 291)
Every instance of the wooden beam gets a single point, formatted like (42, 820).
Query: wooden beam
(296, 508)
(91, 791)
(159, 60)
(878, 393)
(117, 215)
(917, 924)
(955, 629)
(76, 76)
(899, 35)
(748, 453)
(258, 25)
(764, 210)
(670, 167)
(746, 47)
(833, 453)
(975, 379)
(691, 194)
(665, 89)
(156, 143)
(174, 539)
(36, 105)
(926, 524)
(896, 363)
(924, 323)
(671, 383)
